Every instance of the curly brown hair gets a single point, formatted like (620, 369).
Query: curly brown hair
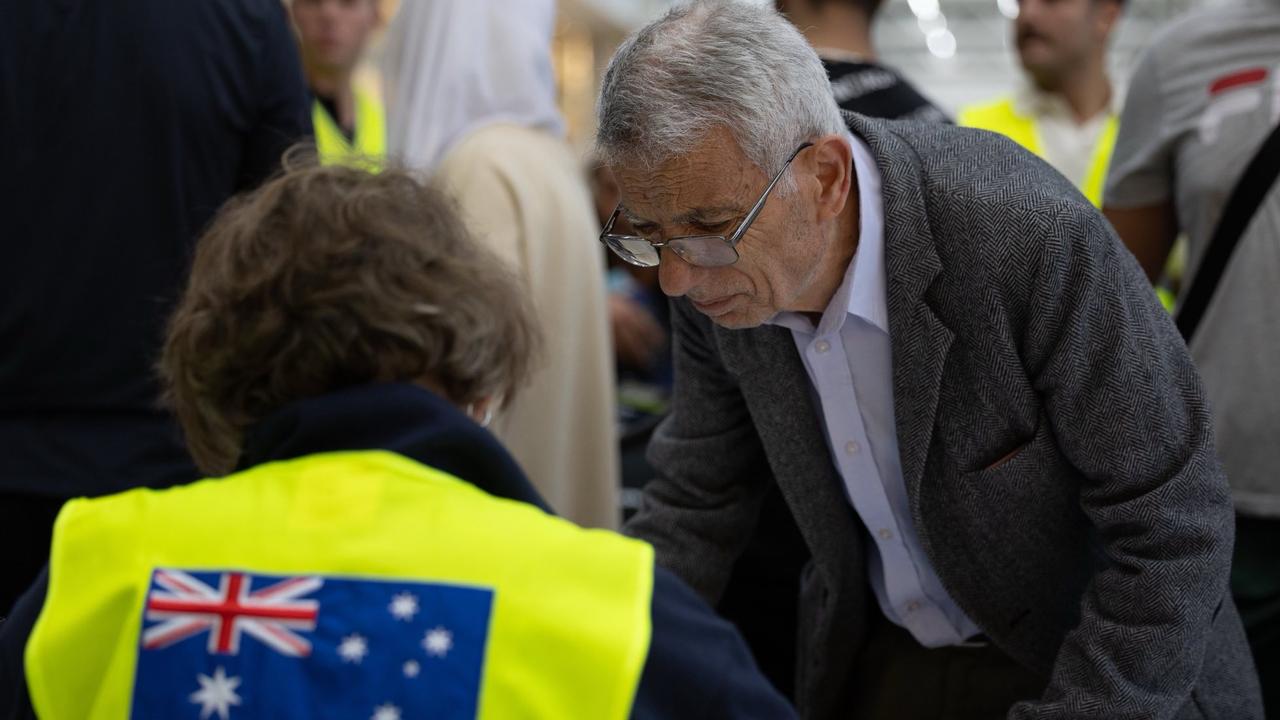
(329, 277)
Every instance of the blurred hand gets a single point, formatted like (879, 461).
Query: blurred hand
(637, 337)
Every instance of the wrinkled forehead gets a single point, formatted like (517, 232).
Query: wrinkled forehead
(713, 176)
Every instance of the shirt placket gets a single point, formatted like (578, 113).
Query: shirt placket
(900, 594)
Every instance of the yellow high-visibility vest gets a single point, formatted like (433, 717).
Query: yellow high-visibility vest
(1002, 116)
(368, 147)
(569, 625)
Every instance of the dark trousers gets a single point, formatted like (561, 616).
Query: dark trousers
(763, 595)
(898, 679)
(1255, 583)
(26, 528)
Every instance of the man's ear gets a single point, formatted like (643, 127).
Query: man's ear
(831, 162)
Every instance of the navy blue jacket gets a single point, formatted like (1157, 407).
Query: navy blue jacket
(698, 666)
(126, 126)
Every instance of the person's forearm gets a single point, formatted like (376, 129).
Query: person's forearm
(1148, 232)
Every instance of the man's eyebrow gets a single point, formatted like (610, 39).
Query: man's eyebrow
(632, 218)
(696, 216)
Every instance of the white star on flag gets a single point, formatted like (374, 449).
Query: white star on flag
(411, 668)
(438, 642)
(216, 694)
(386, 712)
(404, 606)
(353, 648)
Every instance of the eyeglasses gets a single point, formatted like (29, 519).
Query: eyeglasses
(700, 250)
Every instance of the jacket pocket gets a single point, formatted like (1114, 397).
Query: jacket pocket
(1032, 470)
(1014, 453)
(1004, 459)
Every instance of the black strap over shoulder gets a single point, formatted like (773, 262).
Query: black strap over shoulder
(1243, 204)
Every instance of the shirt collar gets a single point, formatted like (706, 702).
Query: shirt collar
(862, 293)
(401, 418)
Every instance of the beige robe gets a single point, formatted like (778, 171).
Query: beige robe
(522, 193)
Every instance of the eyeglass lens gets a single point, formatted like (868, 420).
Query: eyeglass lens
(635, 250)
(701, 250)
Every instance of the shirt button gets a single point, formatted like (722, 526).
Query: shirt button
(851, 447)
(822, 346)
(913, 606)
(885, 534)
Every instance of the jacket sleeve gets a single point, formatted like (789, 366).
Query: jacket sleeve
(1127, 408)
(15, 630)
(700, 511)
(698, 666)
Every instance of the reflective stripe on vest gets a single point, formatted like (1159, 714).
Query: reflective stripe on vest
(368, 147)
(568, 632)
(1003, 117)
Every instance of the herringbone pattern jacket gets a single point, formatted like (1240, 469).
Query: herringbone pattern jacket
(1097, 555)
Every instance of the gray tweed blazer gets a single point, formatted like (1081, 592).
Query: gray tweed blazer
(1097, 555)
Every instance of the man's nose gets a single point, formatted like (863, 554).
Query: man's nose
(330, 10)
(675, 275)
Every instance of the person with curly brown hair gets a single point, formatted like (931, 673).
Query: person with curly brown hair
(365, 545)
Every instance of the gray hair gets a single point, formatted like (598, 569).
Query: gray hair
(714, 63)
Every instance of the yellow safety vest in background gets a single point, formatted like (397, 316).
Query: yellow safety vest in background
(368, 147)
(569, 628)
(1003, 117)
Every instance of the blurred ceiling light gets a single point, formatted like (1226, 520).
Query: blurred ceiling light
(925, 9)
(941, 43)
(1008, 8)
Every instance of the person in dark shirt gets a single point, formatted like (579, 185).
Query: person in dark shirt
(762, 595)
(128, 125)
(840, 31)
(869, 88)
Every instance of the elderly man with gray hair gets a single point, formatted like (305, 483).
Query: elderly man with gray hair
(991, 436)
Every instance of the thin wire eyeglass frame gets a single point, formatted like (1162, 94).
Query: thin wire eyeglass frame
(693, 249)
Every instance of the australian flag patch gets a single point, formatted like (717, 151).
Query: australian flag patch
(245, 645)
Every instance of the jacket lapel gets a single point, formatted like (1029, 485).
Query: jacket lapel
(919, 340)
(780, 400)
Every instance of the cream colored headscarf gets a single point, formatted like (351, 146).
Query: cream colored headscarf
(454, 66)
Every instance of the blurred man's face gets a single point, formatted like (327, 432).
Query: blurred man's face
(1054, 37)
(333, 33)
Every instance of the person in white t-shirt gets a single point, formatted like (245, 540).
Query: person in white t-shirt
(1201, 102)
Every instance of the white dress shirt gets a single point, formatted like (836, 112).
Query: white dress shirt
(850, 365)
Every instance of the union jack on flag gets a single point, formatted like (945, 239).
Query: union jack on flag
(186, 606)
(233, 645)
